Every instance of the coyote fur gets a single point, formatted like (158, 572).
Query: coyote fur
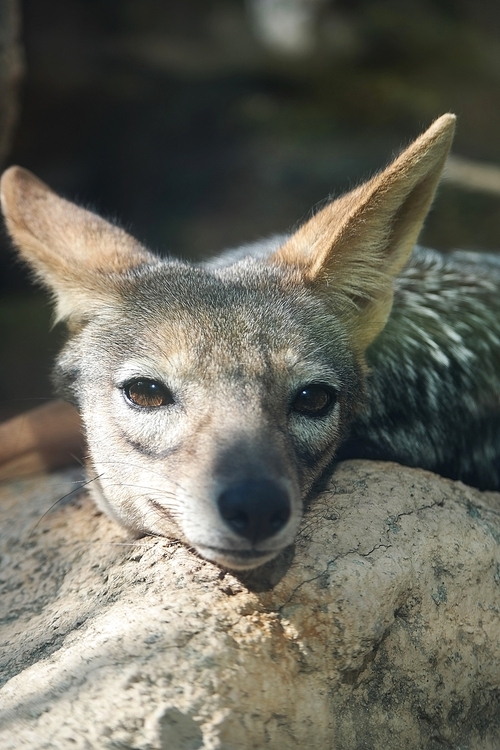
(215, 396)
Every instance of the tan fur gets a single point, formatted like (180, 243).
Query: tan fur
(70, 248)
(360, 242)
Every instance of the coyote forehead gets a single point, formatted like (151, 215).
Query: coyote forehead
(237, 323)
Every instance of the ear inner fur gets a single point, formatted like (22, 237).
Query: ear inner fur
(357, 244)
(72, 250)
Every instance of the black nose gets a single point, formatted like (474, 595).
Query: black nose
(255, 509)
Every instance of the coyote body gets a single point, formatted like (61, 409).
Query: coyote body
(215, 396)
(433, 390)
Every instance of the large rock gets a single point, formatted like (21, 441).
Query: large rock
(381, 629)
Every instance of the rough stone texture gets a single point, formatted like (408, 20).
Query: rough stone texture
(382, 629)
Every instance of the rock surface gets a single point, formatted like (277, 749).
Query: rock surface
(380, 629)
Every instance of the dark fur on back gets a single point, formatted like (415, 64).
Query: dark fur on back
(434, 383)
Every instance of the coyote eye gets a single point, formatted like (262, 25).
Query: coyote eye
(314, 400)
(147, 393)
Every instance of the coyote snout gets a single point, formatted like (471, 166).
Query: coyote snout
(258, 503)
(255, 516)
(255, 509)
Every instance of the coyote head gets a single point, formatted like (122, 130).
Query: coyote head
(215, 395)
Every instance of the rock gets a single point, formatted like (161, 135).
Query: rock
(380, 629)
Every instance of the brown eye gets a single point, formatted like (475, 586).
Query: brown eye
(148, 394)
(314, 400)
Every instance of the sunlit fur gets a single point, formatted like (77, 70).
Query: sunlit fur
(409, 343)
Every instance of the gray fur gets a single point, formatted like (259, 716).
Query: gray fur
(405, 357)
(233, 385)
(434, 387)
(431, 398)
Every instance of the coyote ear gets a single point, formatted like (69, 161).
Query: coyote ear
(354, 247)
(73, 251)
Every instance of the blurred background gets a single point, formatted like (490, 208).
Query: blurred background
(202, 124)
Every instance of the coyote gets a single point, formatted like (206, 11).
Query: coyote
(215, 396)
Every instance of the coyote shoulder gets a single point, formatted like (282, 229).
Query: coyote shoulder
(215, 396)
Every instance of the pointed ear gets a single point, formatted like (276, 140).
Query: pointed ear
(353, 248)
(72, 251)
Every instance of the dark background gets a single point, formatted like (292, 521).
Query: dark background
(202, 124)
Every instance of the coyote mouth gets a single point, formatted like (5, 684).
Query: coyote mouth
(237, 559)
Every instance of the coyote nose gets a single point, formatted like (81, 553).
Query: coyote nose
(255, 509)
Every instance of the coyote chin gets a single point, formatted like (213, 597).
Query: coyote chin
(215, 396)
